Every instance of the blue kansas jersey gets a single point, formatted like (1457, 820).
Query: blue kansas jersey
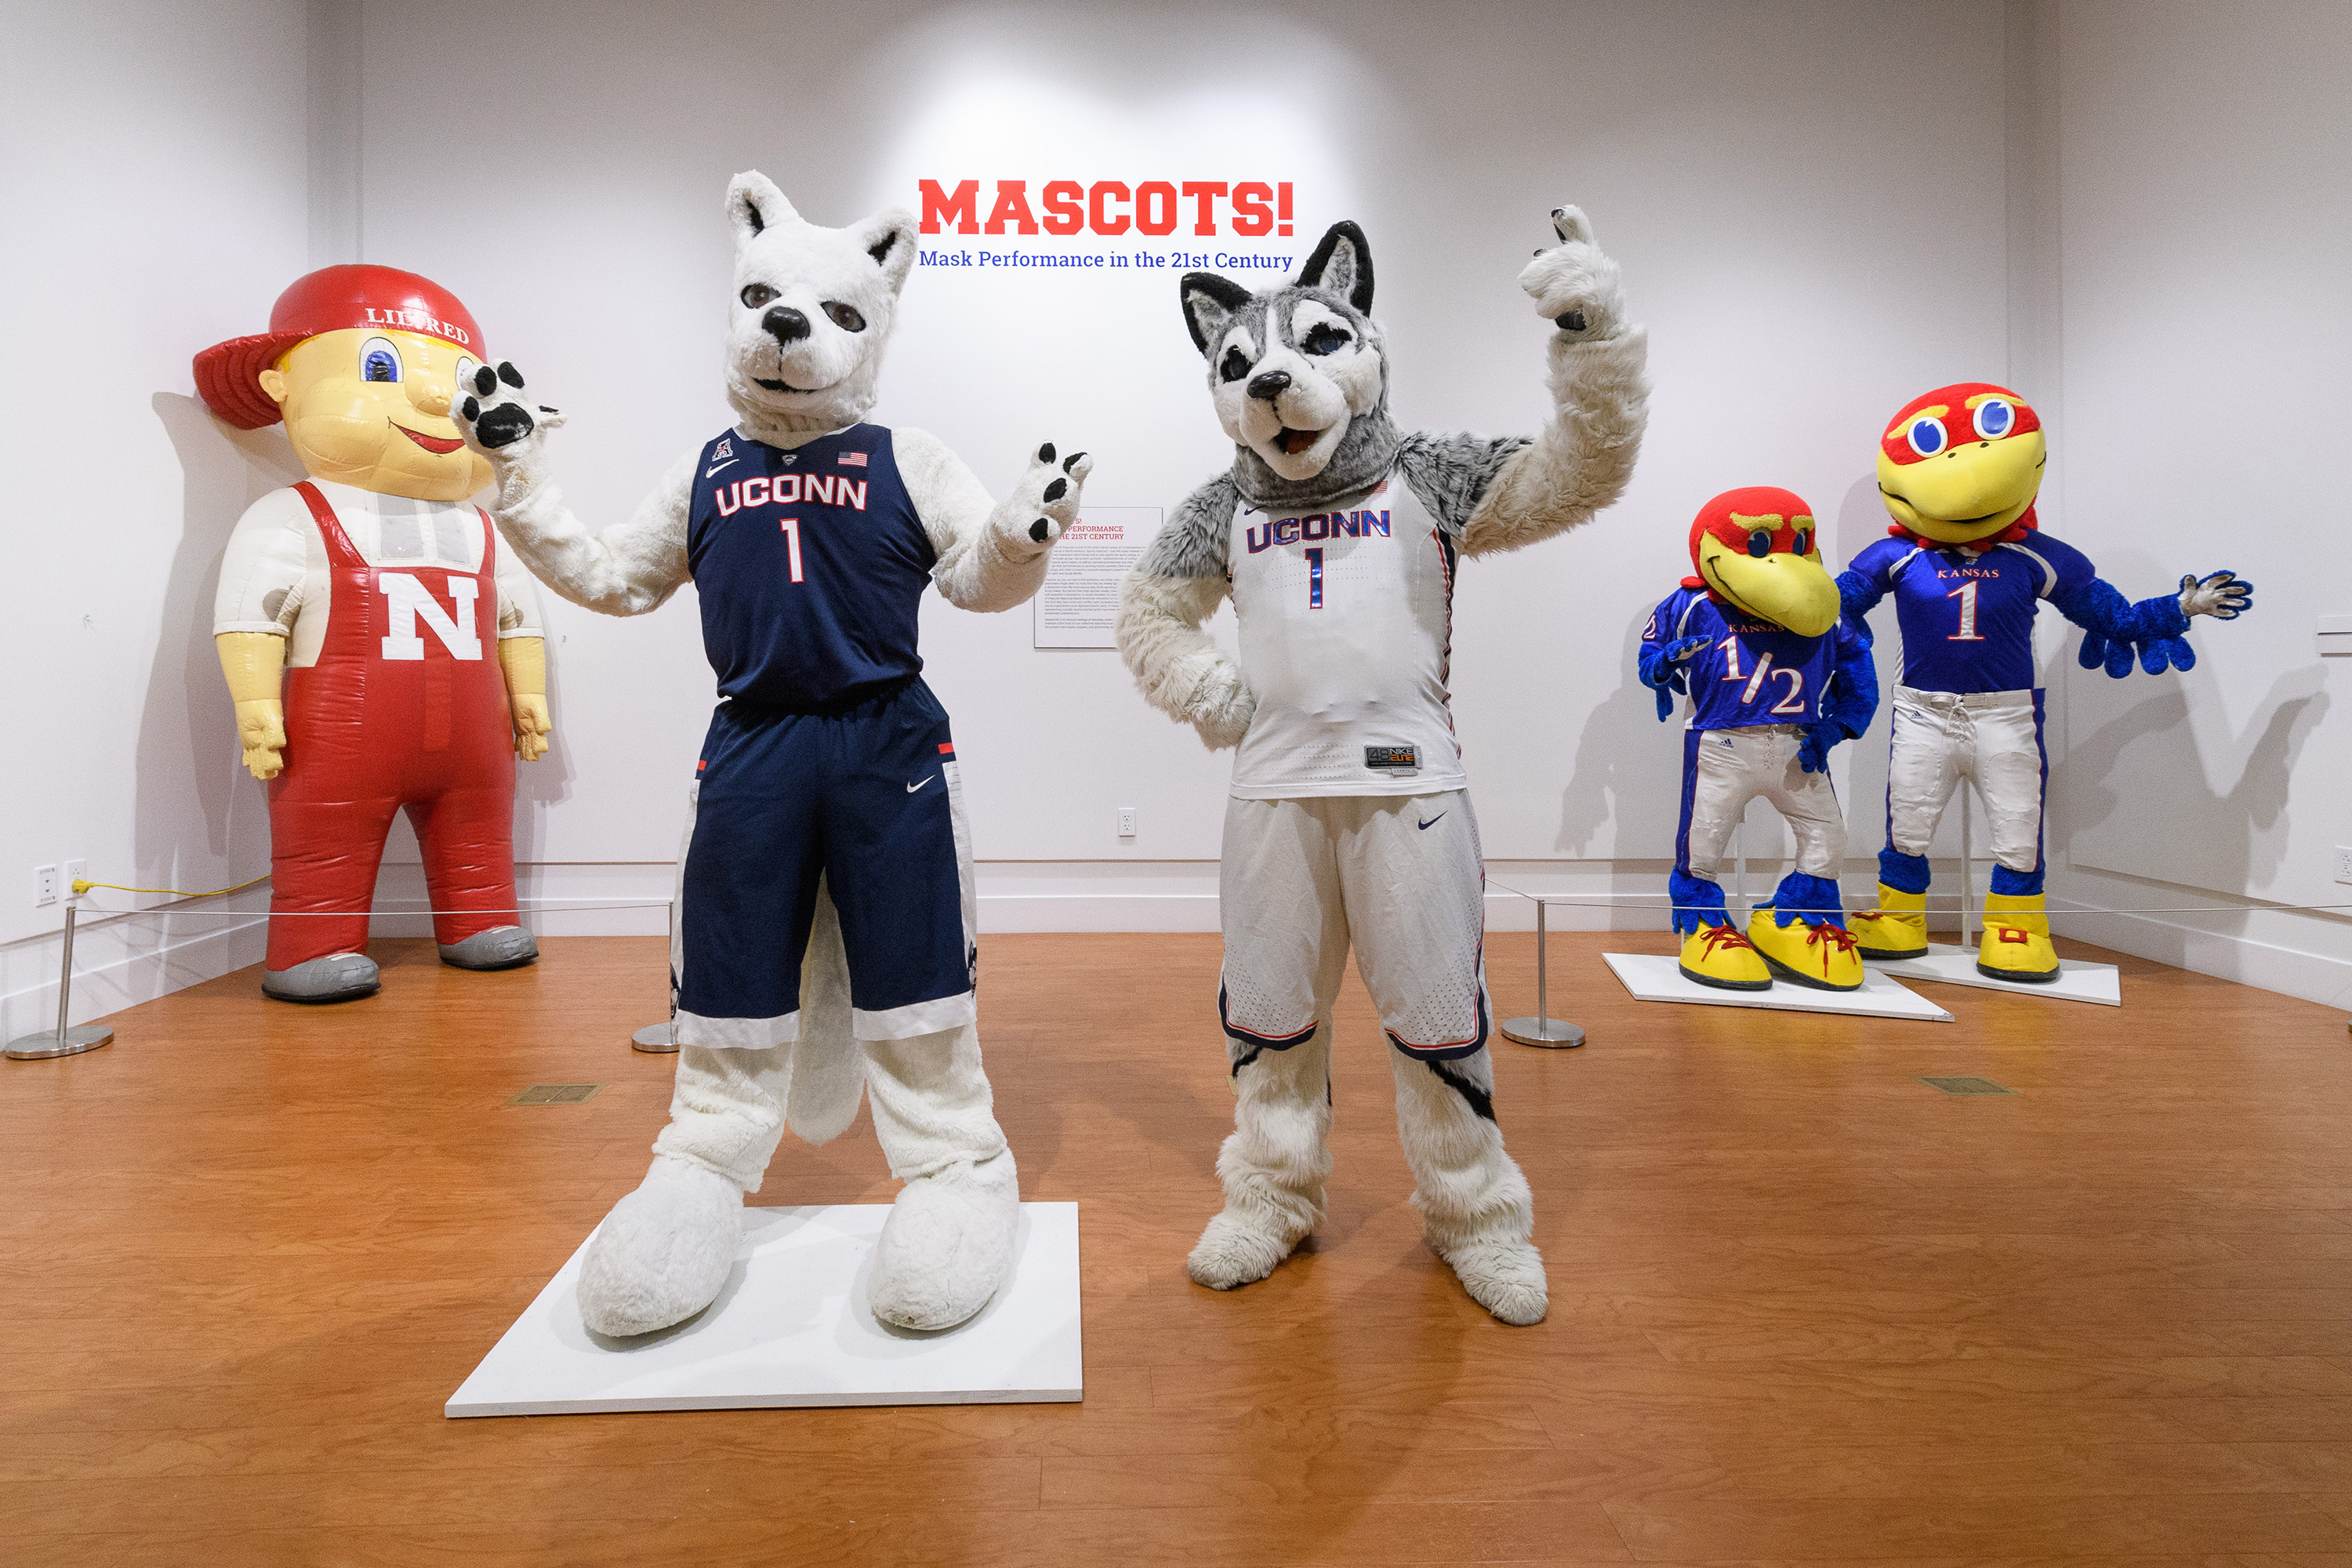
(811, 565)
(1751, 671)
(1966, 616)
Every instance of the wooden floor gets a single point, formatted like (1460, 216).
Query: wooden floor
(1804, 1306)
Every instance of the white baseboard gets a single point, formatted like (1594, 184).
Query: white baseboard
(119, 962)
(2286, 950)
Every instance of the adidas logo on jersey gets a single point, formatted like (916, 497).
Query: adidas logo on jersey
(1316, 525)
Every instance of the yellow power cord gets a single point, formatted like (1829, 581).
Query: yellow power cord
(82, 885)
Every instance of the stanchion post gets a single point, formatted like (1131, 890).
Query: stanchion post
(1967, 866)
(66, 1039)
(660, 1039)
(1543, 1030)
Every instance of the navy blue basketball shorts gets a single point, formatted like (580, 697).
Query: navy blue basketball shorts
(869, 801)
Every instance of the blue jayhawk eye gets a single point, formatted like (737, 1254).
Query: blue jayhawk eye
(1927, 436)
(1804, 543)
(379, 361)
(1760, 543)
(1994, 419)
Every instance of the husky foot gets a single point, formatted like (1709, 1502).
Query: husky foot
(1506, 1278)
(1238, 1249)
(947, 1246)
(663, 1252)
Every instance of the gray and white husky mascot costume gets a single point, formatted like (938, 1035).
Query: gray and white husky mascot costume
(826, 915)
(1337, 537)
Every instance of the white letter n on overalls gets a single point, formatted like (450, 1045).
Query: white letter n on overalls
(410, 599)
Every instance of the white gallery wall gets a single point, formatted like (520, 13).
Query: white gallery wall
(2128, 210)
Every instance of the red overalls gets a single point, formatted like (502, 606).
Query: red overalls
(406, 707)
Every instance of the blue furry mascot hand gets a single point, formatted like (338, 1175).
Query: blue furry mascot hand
(1968, 567)
(1776, 677)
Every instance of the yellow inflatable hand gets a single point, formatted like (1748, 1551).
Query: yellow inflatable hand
(524, 659)
(253, 663)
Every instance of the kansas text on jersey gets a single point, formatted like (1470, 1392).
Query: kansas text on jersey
(810, 566)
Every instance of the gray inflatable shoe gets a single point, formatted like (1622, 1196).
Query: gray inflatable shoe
(502, 947)
(338, 977)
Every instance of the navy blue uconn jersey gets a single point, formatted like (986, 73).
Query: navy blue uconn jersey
(1966, 613)
(1751, 671)
(811, 565)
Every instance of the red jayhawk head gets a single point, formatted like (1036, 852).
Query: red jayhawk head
(1756, 549)
(1962, 464)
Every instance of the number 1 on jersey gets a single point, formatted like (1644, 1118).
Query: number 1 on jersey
(1315, 578)
(792, 544)
(1967, 595)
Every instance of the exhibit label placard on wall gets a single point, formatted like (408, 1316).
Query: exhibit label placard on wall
(1078, 605)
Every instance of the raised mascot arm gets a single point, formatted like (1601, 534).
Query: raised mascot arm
(623, 571)
(1162, 604)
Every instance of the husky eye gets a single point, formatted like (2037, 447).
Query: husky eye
(379, 361)
(1325, 339)
(1926, 436)
(1760, 543)
(1995, 418)
(1235, 366)
(755, 295)
(846, 317)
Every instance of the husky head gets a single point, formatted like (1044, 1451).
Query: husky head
(812, 310)
(1299, 376)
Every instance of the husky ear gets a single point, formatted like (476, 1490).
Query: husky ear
(889, 237)
(752, 203)
(1342, 265)
(1208, 300)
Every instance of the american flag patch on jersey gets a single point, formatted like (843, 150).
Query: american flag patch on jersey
(852, 459)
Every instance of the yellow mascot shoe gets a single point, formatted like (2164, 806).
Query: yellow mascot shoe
(1719, 956)
(1810, 952)
(2016, 943)
(1897, 928)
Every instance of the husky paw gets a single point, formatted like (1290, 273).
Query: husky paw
(1575, 285)
(1045, 501)
(664, 1251)
(947, 1246)
(1236, 1249)
(1221, 706)
(495, 418)
(1506, 1278)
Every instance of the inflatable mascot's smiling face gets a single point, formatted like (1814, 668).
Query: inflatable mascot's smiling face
(1292, 371)
(1756, 549)
(812, 309)
(1963, 463)
(362, 362)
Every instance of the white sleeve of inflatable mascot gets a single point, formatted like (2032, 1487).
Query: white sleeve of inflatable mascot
(519, 610)
(263, 570)
(1504, 494)
(623, 571)
(1163, 606)
(991, 554)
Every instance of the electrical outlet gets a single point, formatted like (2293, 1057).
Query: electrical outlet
(76, 871)
(45, 885)
(1127, 822)
(2343, 864)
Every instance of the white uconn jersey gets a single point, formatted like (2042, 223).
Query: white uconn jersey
(1346, 618)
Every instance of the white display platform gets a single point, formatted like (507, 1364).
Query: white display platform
(1948, 966)
(1654, 977)
(792, 1328)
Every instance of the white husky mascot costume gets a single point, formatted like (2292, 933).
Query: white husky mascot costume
(825, 918)
(1336, 536)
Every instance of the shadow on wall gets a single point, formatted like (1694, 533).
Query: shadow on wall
(187, 729)
(2180, 830)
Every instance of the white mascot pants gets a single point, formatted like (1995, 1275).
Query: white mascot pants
(1723, 770)
(1403, 879)
(1991, 737)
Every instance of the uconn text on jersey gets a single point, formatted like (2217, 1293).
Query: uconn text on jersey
(1316, 525)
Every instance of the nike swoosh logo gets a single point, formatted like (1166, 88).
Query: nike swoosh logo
(913, 787)
(714, 468)
(1433, 821)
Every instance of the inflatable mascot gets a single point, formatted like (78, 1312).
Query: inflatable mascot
(826, 916)
(383, 651)
(1967, 563)
(1337, 537)
(1776, 679)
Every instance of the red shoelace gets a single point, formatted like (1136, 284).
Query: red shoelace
(1721, 936)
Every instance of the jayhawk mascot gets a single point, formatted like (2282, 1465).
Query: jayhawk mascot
(1968, 564)
(1776, 678)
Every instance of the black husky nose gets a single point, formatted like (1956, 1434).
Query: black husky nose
(786, 324)
(1269, 385)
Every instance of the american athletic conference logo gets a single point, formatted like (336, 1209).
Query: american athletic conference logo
(1110, 209)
